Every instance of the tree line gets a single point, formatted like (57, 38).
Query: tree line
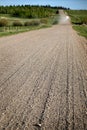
(28, 11)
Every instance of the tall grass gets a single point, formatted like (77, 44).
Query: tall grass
(79, 21)
(17, 25)
(78, 16)
(82, 30)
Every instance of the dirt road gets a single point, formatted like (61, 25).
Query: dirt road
(43, 80)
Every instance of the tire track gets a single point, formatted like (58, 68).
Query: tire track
(25, 76)
(67, 89)
(50, 75)
(23, 64)
(53, 106)
(45, 101)
(82, 96)
(31, 94)
(52, 78)
(71, 85)
(81, 91)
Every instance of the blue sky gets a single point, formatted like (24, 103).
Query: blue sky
(73, 4)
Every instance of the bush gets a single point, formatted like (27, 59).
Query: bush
(44, 21)
(28, 23)
(55, 22)
(3, 22)
(17, 23)
(85, 20)
(35, 23)
(32, 23)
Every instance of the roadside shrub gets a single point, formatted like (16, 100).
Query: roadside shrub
(35, 22)
(44, 20)
(3, 22)
(28, 23)
(85, 20)
(32, 23)
(77, 22)
(55, 22)
(17, 23)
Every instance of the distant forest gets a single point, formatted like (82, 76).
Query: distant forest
(28, 11)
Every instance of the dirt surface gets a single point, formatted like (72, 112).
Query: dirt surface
(43, 80)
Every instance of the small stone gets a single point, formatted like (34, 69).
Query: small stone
(39, 125)
(23, 123)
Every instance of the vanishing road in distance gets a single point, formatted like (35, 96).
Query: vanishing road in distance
(43, 79)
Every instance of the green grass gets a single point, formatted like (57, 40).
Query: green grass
(78, 16)
(9, 30)
(79, 21)
(16, 30)
(12, 19)
(82, 30)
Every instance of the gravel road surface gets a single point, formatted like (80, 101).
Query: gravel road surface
(43, 79)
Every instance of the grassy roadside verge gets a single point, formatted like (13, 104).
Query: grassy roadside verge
(82, 30)
(10, 30)
(17, 30)
(79, 21)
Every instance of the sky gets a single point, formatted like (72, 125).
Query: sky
(73, 4)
